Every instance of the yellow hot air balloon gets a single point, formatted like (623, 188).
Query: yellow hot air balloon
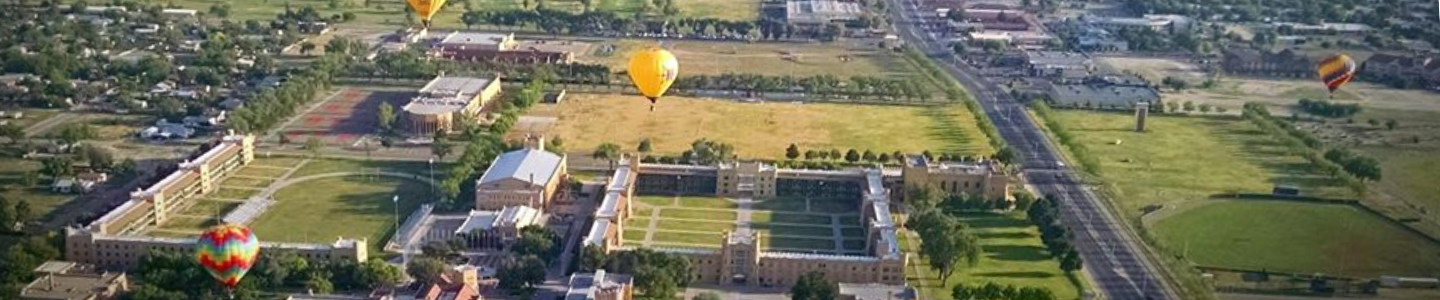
(653, 70)
(425, 9)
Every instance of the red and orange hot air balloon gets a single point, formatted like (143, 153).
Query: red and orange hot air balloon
(1336, 71)
(227, 251)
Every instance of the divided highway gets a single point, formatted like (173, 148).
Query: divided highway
(1113, 256)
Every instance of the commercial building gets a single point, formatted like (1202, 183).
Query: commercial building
(527, 177)
(1284, 64)
(985, 178)
(818, 13)
(1103, 93)
(1059, 65)
(63, 280)
(445, 99)
(495, 47)
(1157, 23)
(600, 285)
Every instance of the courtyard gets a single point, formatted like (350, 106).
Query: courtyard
(802, 225)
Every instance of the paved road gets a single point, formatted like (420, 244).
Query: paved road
(1113, 255)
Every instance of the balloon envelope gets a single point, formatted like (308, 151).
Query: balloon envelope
(653, 70)
(227, 251)
(1336, 70)
(425, 8)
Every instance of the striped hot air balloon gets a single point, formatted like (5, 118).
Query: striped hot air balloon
(227, 251)
(1336, 70)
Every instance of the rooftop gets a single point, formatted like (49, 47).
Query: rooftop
(877, 291)
(528, 165)
(821, 11)
(583, 286)
(72, 286)
(447, 94)
(475, 38)
(510, 216)
(1095, 95)
(1057, 59)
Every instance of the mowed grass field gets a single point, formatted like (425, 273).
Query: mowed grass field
(13, 171)
(351, 207)
(841, 59)
(757, 130)
(392, 12)
(1013, 255)
(1187, 159)
(1299, 237)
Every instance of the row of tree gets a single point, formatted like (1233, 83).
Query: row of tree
(175, 276)
(1363, 167)
(1046, 215)
(993, 291)
(1312, 148)
(819, 85)
(945, 241)
(19, 259)
(269, 107)
(1329, 109)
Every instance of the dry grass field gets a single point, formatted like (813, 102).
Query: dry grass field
(757, 130)
(842, 59)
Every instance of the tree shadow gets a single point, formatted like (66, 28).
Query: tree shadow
(946, 127)
(1016, 253)
(1029, 274)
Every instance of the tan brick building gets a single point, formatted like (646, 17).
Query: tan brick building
(63, 280)
(199, 174)
(444, 99)
(985, 178)
(600, 285)
(527, 177)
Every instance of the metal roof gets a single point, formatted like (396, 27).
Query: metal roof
(528, 165)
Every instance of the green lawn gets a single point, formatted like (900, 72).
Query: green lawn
(715, 215)
(246, 182)
(327, 166)
(656, 200)
(233, 193)
(638, 211)
(13, 170)
(635, 235)
(706, 202)
(189, 223)
(854, 245)
(852, 232)
(772, 217)
(351, 206)
(1300, 238)
(261, 172)
(637, 223)
(207, 207)
(277, 161)
(685, 225)
(761, 130)
(824, 245)
(1187, 159)
(688, 238)
(1013, 255)
(791, 230)
(834, 205)
(782, 204)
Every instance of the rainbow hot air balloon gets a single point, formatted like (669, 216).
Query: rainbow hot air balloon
(1336, 70)
(227, 251)
(653, 70)
(425, 9)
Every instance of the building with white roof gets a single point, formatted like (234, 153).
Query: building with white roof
(527, 177)
(444, 99)
(600, 285)
(459, 40)
(821, 12)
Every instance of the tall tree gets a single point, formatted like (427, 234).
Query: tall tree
(313, 144)
(592, 258)
(609, 152)
(441, 148)
(852, 155)
(536, 241)
(387, 117)
(812, 286)
(645, 147)
(13, 132)
(523, 276)
(426, 269)
(792, 152)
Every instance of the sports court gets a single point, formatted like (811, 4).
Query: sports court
(346, 116)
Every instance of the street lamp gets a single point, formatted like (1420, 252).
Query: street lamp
(396, 201)
(432, 176)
